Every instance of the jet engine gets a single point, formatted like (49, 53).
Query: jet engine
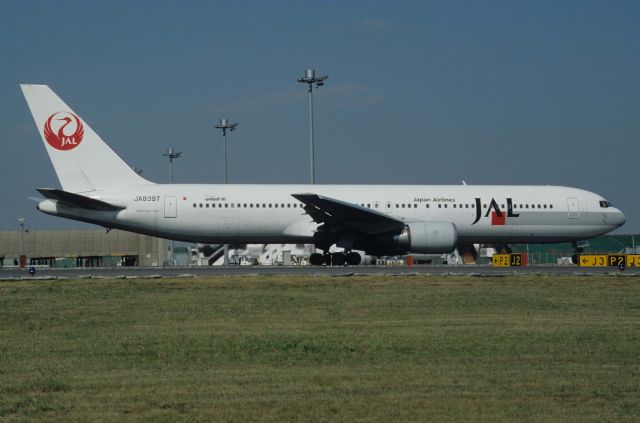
(426, 237)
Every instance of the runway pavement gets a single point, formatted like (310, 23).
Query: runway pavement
(212, 271)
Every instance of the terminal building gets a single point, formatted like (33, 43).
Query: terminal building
(81, 248)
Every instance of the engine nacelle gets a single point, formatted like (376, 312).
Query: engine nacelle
(427, 237)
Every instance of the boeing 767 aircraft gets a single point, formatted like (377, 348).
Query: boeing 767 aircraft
(98, 187)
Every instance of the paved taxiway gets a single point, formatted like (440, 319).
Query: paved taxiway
(148, 272)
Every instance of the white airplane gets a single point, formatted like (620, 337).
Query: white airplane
(100, 188)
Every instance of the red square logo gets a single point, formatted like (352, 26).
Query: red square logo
(498, 220)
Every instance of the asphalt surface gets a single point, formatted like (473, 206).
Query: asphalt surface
(172, 272)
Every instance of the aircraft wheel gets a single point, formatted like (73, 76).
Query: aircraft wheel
(316, 259)
(574, 259)
(353, 259)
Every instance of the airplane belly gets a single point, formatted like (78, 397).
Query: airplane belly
(229, 228)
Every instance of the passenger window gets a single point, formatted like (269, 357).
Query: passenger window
(550, 206)
(446, 205)
(194, 205)
(439, 206)
(427, 206)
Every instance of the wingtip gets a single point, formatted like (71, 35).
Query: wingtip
(305, 195)
(25, 86)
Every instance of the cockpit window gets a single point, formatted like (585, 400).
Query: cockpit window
(605, 204)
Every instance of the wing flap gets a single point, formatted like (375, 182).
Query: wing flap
(77, 200)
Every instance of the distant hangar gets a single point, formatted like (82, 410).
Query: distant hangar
(82, 248)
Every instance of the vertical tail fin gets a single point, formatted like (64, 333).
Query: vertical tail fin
(82, 161)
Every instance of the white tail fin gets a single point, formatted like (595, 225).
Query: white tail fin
(83, 162)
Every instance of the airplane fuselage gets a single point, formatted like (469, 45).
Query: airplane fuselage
(269, 213)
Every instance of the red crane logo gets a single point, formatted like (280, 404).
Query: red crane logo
(63, 131)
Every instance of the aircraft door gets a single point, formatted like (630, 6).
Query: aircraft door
(170, 207)
(573, 208)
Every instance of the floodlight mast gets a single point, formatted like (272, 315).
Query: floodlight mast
(172, 154)
(310, 79)
(224, 125)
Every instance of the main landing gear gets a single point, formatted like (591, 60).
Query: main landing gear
(578, 250)
(335, 259)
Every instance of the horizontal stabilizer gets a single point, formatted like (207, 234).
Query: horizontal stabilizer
(77, 200)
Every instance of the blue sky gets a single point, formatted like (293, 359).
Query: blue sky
(420, 92)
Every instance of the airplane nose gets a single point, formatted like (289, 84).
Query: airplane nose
(618, 218)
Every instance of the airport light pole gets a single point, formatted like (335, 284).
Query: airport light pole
(22, 222)
(310, 79)
(225, 125)
(172, 154)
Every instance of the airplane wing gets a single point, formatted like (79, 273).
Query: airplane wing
(337, 213)
(77, 200)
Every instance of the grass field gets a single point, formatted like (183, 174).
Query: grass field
(416, 348)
